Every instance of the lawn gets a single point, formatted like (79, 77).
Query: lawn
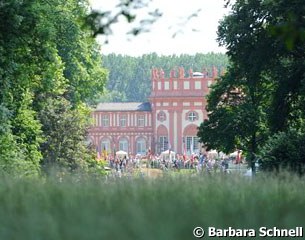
(144, 208)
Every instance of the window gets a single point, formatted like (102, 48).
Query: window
(141, 121)
(123, 145)
(192, 144)
(161, 116)
(159, 85)
(105, 145)
(123, 121)
(166, 85)
(141, 146)
(175, 85)
(105, 121)
(186, 85)
(192, 116)
(209, 83)
(197, 85)
(163, 141)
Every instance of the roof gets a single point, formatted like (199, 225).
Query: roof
(124, 106)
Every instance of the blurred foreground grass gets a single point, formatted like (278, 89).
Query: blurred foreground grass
(164, 208)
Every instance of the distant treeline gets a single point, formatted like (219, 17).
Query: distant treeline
(130, 77)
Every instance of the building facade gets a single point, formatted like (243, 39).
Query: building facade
(169, 120)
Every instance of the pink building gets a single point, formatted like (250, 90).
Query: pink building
(170, 119)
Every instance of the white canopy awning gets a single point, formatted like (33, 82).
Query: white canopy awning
(234, 154)
(167, 152)
(121, 153)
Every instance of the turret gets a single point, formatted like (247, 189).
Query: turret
(214, 72)
(181, 72)
(191, 73)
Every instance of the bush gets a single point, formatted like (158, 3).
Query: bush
(284, 150)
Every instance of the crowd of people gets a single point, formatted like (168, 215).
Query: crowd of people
(198, 162)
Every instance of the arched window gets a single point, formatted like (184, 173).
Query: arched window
(105, 145)
(190, 139)
(163, 143)
(141, 146)
(191, 144)
(123, 144)
(162, 134)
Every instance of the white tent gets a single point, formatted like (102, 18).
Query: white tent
(166, 153)
(234, 154)
(121, 153)
(212, 154)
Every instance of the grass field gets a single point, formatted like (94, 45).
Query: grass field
(163, 208)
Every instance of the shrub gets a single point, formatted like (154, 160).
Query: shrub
(284, 150)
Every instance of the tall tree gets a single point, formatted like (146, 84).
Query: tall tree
(49, 64)
(236, 115)
(265, 43)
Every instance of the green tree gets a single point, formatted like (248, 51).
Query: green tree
(49, 63)
(265, 43)
(284, 150)
(63, 113)
(266, 38)
(18, 79)
(236, 115)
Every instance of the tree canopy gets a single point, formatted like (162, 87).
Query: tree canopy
(50, 67)
(265, 41)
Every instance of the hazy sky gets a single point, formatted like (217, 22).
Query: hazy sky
(160, 37)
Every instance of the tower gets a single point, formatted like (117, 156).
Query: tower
(178, 107)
